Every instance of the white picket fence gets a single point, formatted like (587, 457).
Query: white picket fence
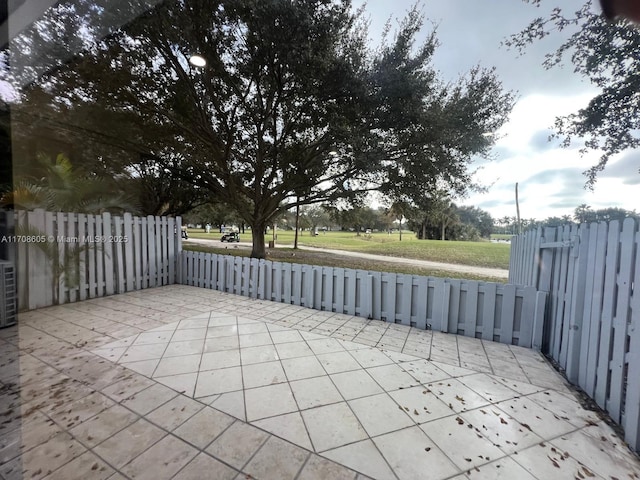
(592, 322)
(492, 311)
(67, 257)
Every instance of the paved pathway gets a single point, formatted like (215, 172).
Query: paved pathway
(187, 383)
(497, 273)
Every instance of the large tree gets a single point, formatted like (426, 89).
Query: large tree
(291, 108)
(608, 55)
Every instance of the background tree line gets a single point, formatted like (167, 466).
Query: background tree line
(294, 106)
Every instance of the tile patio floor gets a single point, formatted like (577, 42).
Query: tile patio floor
(186, 383)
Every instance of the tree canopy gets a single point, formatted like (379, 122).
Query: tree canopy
(291, 108)
(608, 55)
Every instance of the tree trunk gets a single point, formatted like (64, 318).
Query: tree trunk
(444, 227)
(257, 235)
(424, 230)
(401, 229)
(295, 238)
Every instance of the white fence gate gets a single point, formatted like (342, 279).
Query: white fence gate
(492, 311)
(592, 322)
(66, 257)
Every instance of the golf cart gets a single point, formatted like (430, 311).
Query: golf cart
(230, 237)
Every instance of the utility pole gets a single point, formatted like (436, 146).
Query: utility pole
(518, 211)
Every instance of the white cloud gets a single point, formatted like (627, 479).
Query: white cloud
(549, 177)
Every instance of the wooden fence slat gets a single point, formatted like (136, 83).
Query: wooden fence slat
(186, 258)
(538, 321)
(570, 232)
(389, 301)
(455, 287)
(376, 295)
(171, 257)
(157, 249)
(422, 296)
(222, 273)
(407, 299)
(471, 309)
(296, 284)
(254, 277)
(577, 308)
(529, 304)
(277, 281)
(339, 289)
(118, 254)
(317, 288)
(608, 305)
(350, 289)
(558, 324)
(100, 258)
(39, 273)
(151, 252)
(440, 304)
(94, 250)
(178, 249)
(188, 266)
(63, 263)
(268, 280)
(246, 276)
(489, 313)
(82, 256)
(164, 249)
(366, 308)
(202, 270)
(287, 286)
(128, 222)
(328, 301)
(591, 308)
(528, 265)
(22, 271)
(209, 277)
(229, 273)
(625, 276)
(73, 252)
(632, 401)
(507, 313)
(549, 282)
(237, 275)
(144, 230)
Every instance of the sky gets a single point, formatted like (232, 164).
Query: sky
(550, 177)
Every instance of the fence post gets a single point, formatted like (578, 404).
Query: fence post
(632, 404)
(627, 240)
(581, 250)
(538, 321)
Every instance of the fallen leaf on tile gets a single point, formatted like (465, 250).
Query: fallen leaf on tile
(587, 472)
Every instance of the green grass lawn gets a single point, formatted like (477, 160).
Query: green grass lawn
(311, 257)
(481, 254)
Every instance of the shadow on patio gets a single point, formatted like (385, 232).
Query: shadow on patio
(187, 383)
